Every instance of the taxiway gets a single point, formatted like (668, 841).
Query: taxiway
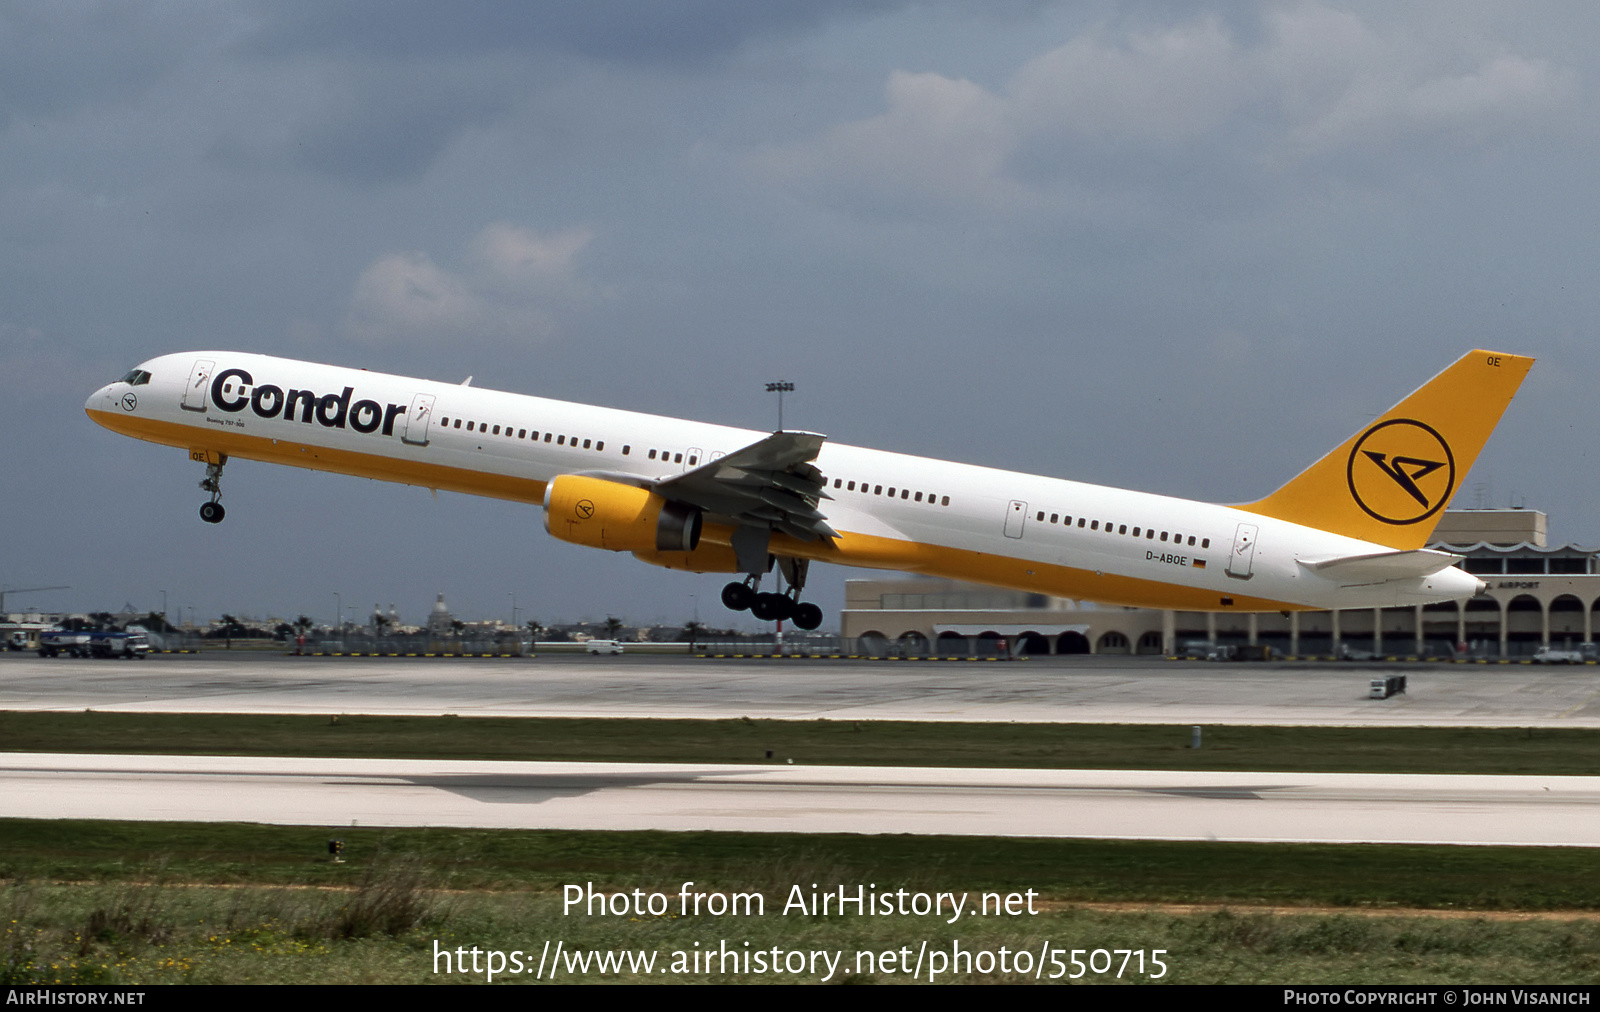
(1085, 690)
(1121, 804)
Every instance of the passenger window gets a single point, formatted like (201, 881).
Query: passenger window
(585, 444)
(561, 440)
(1163, 535)
(458, 423)
(693, 460)
(547, 436)
(1205, 543)
(1150, 533)
(469, 426)
(1053, 517)
(891, 492)
(1095, 526)
(919, 497)
(1080, 521)
(851, 487)
(1191, 541)
(838, 483)
(445, 422)
(600, 445)
(945, 501)
(497, 430)
(1136, 532)
(1123, 529)
(1040, 516)
(522, 433)
(677, 458)
(652, 455)
(627, 448)
(877, 490)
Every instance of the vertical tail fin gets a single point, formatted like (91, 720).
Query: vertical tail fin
(1389, 482)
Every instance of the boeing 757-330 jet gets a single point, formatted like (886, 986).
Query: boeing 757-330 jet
(1348, 532)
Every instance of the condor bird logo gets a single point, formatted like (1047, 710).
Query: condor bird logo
(584, 508)
(1401, 471)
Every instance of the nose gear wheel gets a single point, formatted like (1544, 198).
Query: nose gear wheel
(212, 512)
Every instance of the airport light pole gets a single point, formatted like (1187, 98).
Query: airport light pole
(780, 388)
(338, 611)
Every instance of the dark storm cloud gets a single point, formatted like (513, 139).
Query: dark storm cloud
(58, 57)
(397, 82)
(669, 31)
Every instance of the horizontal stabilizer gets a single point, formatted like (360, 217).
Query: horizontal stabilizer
(1380, 566)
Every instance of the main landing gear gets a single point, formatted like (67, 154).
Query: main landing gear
(775, 607)
(212, 512)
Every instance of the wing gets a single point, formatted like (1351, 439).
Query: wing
(770, 484)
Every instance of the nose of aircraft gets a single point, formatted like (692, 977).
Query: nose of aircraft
(100, 400)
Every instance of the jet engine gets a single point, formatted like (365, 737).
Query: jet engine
(710, 557)
(622, 518)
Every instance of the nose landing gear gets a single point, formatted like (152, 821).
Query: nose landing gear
(212, 512)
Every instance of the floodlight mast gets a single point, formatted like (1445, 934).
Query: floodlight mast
(780, 388)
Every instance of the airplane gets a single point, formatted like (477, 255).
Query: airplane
(1348, 532)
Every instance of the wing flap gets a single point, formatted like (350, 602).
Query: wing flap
(771, 483)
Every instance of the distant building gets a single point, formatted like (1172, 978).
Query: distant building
(1537, 595)
(440, 621)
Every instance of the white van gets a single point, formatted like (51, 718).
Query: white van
(603, 647)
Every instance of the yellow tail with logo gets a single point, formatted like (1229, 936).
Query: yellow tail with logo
(1389, 482)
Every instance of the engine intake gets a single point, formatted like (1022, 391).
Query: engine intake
(621, 518)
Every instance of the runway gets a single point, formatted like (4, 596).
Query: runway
(1082, 689)
(1150, 805)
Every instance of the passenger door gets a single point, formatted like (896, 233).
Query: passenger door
(418, 419)
(1244, 551)
(1016, 518)
(194, 395)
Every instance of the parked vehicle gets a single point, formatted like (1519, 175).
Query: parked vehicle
(1557, 655)
(93, 643)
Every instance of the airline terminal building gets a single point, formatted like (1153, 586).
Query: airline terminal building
(1538, 595)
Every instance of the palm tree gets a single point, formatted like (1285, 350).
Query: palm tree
(613, 626)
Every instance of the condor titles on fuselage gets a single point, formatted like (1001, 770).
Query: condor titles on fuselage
(1350, 531)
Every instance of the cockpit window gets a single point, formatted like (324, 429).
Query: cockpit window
(136, 378)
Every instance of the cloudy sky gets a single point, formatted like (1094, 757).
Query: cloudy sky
(1179, 247)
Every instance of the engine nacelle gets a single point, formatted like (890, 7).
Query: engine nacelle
(622, 518)
(710, 557)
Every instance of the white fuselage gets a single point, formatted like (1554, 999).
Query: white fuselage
(891, 510)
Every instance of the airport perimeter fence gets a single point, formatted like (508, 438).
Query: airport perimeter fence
(792, 643)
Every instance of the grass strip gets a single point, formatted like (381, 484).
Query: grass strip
(1545, 751)
(1104, 871)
